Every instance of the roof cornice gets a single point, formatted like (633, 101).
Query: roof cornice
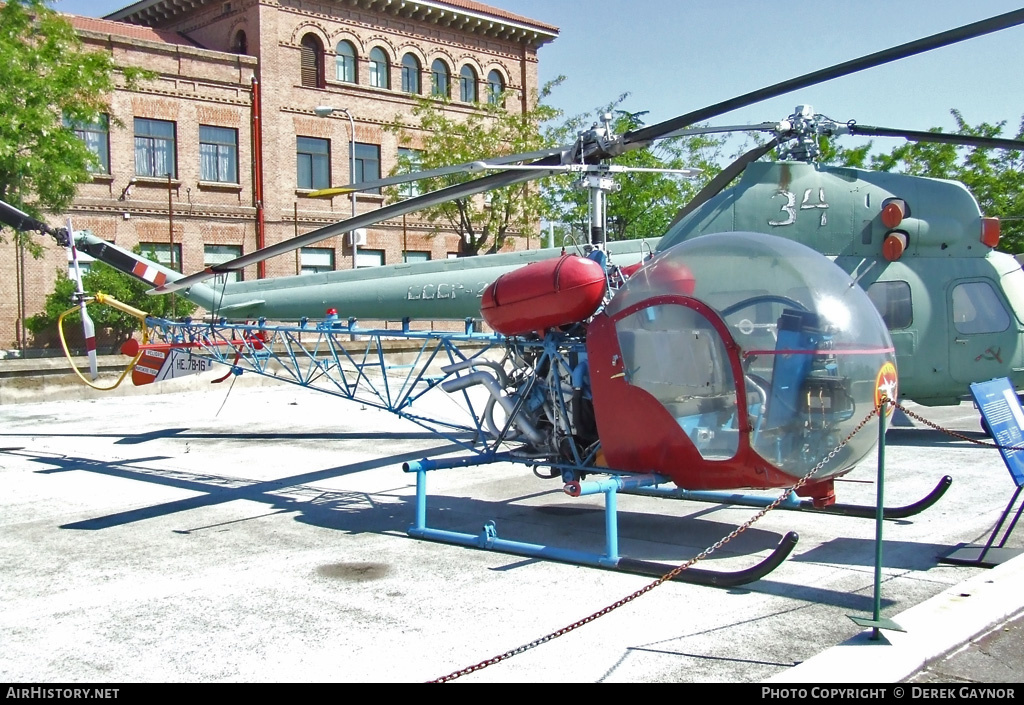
(461, 15)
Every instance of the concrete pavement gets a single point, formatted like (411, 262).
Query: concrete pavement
(259, 535)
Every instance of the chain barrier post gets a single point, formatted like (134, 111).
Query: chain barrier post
(876, 622)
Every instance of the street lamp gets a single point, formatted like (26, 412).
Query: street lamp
(324, 111)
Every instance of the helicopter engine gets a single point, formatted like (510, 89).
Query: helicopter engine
(540, 392)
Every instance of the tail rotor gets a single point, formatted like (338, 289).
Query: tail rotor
(88, 327)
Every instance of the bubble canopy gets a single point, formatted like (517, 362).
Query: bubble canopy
(802, 357)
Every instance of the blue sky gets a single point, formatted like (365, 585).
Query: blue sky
(673, 56)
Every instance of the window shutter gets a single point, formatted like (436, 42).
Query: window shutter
(308, 65)
(311, 67)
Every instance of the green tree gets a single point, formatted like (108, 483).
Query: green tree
(105, 279)
(484, 221)
(994, 176)
(645, 202)
(49, 83)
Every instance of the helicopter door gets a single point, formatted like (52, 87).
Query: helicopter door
(982, 337)
(675, 354)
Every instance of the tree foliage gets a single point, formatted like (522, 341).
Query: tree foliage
(106, 279)
(646, 202)
(994, 176)
(489, 130)
(47, 77)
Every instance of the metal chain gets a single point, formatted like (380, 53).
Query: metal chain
(674, 572)
(948, 432)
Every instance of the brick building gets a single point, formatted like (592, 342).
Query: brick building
(216, 156)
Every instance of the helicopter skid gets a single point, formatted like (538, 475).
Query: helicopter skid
(488, 539)
(792, 504)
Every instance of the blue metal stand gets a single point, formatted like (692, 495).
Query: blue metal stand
(610, 486)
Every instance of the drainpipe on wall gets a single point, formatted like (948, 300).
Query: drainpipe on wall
(257, 173)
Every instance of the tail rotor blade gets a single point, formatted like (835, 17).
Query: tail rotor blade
(88, 327)
(89, 331)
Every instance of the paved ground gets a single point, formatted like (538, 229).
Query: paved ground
(260, 536)
(996, 656)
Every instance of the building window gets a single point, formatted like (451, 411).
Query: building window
(160, 252)
(315, 260)
(367, 164)
(240, 45)
(312, 62)
(410, 74)
(218, 154)
(154, 148)
(439, 83)
(345, 64)
(96, 136)
(219, 254)
(416, 256)
(495, 87)
(379, 74)
(409, 161)
(314, 162)
(467, 84)
(369, 258)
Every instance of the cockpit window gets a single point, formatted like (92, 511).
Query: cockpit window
(977, 309)
(892, 299)
(673, 353)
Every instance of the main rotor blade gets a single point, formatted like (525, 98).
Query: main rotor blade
(451, 193)
(20, 220)
(723, 178)
(762, 127)
(935, 41)
(441, 171)
(942, 137)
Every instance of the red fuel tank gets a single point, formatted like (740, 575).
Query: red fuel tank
(543, 295)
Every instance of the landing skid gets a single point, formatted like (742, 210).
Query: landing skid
(488, 539)
(793, 504)
(715, 578)
(869, 512)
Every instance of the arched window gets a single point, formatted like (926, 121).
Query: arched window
(467, 84)
(345, 64)
(410, 74)
(240, 45)
(379, 75)
(495, 87)
(439, 79)
(312, 67)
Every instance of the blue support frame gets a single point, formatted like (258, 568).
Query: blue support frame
(345, 360)
(488, 537)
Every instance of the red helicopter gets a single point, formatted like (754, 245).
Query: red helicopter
(726, 361)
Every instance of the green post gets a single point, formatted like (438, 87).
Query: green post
(879, 513)
(876, 622)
